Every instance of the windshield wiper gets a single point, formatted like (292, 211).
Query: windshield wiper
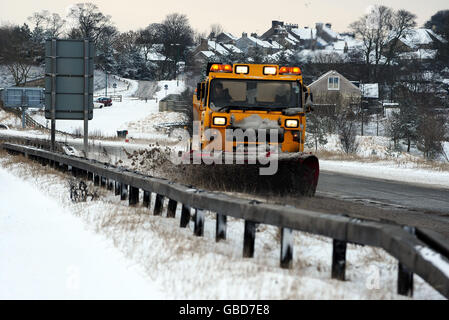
(225, 109)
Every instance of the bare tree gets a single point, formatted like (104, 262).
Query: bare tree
(55, 25)
(46, 25)
(38, 19)
(16, 51)
(346, 127)
(380, 31)
(89, 21)
(197, 36)
(215, 30)
(431, 134)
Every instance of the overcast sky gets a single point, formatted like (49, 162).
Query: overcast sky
(234, 15)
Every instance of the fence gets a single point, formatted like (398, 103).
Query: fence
(418, 251)
(117, 97)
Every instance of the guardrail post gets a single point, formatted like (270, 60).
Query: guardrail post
(405, 281)
(146, 198)
(338, 259)
(123, 191)
(117, 188)
(133, 195)
(185, 216)
(286, 248)
(110, 184)
(199, 223)
(405, 276)
(171, 208)
(249, 239)
(220, 228)
(158, 205)
(96, 180)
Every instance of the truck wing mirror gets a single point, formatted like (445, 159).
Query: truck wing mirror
(309, 102)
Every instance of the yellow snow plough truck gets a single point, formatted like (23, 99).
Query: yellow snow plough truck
(249, 125)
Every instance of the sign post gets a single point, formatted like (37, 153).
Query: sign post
(53, 93)
(86, 96)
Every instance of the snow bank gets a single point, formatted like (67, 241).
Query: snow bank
(47, 254)
(389, 171)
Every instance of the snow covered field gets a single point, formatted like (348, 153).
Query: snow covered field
(52, 251)
(108, 120)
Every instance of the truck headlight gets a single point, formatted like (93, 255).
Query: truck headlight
(219, 121)
(291, 123)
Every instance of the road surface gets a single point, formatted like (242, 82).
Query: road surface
(384, 192)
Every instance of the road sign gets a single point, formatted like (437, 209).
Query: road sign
(69, 83)
(65, 77)
(16, 97)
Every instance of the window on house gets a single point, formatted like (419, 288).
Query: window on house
(333, 83)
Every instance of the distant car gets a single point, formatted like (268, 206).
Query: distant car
(105, 101)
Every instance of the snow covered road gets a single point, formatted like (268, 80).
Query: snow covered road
(46, 253)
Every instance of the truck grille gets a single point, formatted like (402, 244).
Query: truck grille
(248, 136)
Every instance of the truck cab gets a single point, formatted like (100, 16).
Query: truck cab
(253, 97)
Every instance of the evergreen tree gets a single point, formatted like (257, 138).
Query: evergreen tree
(316, 130)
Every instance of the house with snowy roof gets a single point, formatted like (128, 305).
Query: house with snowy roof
(420, 43)
(280, 33)
(226, 38)
(249, 43)
(333, 92)
(325, 32)
(209, 50)
(293, 37)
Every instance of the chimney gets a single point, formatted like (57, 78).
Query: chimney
(204, 44)
(275, 23)
(244, 35)
(319, 26)
(329, 25)
(254, 35)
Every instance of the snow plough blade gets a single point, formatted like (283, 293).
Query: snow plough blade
(292, 173)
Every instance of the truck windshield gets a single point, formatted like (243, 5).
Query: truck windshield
(271, 94)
